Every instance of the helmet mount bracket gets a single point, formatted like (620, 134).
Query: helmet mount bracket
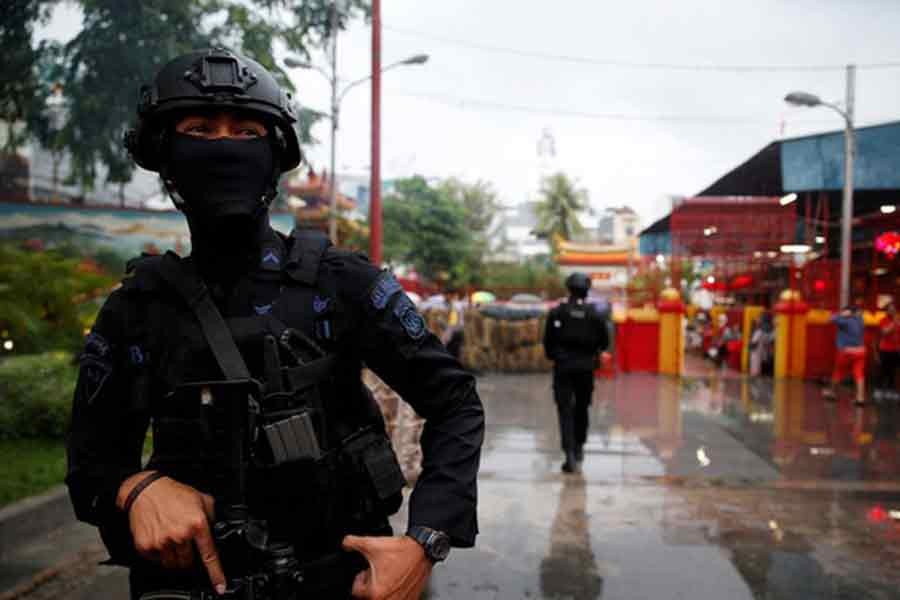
(220, 74)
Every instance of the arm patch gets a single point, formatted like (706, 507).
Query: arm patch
(412, 322)
(384, 290)
(96, 366)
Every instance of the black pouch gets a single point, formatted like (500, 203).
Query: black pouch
(376, 467)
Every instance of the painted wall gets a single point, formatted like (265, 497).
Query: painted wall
(126, 232)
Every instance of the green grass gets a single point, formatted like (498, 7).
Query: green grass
(30, 466)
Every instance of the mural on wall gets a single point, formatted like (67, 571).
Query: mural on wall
(125, 232)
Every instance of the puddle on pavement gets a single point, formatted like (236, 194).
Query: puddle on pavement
(691, 489)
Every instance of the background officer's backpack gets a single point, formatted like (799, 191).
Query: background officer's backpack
(577, 326)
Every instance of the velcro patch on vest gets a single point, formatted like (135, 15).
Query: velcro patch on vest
(386, 287)
(577, 314)
(409, 317)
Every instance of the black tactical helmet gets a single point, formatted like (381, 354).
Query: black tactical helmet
(218, 79)
(578, 284)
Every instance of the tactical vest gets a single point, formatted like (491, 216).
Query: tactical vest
(321, 464)
(576, 326)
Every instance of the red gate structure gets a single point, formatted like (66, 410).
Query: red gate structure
(740, 235)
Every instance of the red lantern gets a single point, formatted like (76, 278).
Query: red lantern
(888, 243)
(741, 281)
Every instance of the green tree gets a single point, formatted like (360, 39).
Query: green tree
(480, 206)
(124, 42)
(21, 95)
(426, 228)
(558, 207)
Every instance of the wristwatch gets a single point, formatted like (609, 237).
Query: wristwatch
(435, 543)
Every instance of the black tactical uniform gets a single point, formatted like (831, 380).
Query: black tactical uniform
(573, 336)
(147, 341)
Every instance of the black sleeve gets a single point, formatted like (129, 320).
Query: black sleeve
(550, 335)
(105, 437)
(394, 342)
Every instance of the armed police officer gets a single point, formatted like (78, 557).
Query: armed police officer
(574, 335)
(271, 475)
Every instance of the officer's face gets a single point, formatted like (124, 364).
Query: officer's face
(222, 124)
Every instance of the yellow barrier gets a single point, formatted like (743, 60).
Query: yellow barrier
(671, 332)
(790, 335)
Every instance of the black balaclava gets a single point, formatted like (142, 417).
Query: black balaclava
(223, 183)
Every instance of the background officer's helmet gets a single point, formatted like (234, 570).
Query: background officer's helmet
(213, 79)
(578, 284)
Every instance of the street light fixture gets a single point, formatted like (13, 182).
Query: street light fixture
(811, 100)
(803, 99)
(787, 199)
(336, 98)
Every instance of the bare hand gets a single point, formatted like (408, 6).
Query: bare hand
(168, 520)
(398, 568)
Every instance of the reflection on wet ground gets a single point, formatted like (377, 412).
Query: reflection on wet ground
(692, 488)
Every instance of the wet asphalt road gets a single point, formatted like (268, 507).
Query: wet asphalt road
(691, 489)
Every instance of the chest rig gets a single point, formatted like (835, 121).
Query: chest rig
(285, 437)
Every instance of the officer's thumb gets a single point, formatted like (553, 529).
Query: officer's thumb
(363, 545)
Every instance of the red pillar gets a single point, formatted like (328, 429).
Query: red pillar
(375, 181)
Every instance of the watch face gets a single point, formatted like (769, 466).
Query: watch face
(440, 547)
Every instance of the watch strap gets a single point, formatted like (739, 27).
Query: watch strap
(426, 537)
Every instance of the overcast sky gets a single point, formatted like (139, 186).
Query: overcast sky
(630, 135)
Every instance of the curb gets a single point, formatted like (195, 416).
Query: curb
(33, 517)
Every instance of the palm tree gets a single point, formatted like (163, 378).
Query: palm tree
(558, 208)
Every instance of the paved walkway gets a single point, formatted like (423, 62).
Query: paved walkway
(693, 489)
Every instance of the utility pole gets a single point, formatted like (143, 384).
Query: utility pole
(847, 207)
(332, 221)
(375, 178)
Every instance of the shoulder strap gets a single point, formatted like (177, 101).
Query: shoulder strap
(180, 274)
(308, 246)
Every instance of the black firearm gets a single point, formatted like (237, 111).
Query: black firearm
(254, 425)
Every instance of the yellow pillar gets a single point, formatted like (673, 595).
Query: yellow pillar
(751, 313)
(790, 335)
(671, 332)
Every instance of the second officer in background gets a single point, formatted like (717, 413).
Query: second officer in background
(574, 336)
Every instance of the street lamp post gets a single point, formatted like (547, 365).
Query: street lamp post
(807, 99)
(334, 114)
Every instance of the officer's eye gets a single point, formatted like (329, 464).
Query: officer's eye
(198, 129)
(251, 131)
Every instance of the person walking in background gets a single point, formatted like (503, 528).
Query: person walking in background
(889, 350)
(851, 350)
(762, 346)
(719, 349)
(574, 335)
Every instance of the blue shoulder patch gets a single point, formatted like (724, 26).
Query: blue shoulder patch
(96, 345)
(410, 319)
(384, 290)
(320, 304)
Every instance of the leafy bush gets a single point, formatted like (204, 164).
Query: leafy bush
(48, 299)
(36, 395)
